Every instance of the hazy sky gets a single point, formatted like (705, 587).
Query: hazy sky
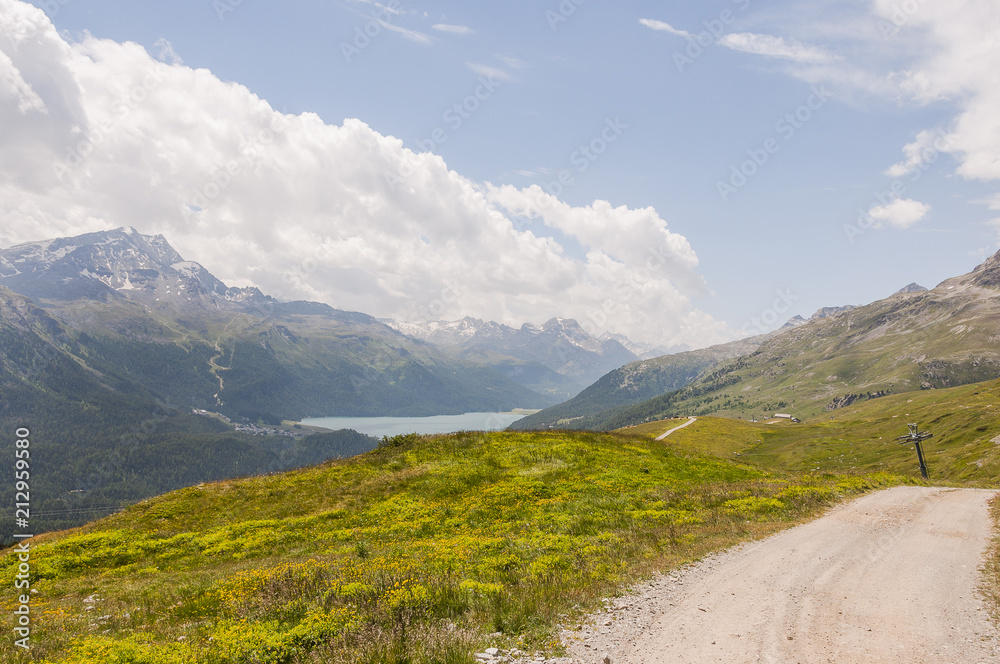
(673, 171)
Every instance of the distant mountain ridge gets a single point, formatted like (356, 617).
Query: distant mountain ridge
(715, 380)
(560, 356)
(637, 381)
(826, 312)
(915, 339)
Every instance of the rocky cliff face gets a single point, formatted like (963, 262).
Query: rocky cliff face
(987, 275)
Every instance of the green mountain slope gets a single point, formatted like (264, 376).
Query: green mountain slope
(636, 382)
(101, 439)
(911, 341)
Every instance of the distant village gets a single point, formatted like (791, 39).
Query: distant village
(252, 429)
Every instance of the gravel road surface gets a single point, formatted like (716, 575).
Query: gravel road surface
(888, 578)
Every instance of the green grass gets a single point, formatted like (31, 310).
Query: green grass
(416, 552)
(714, 436)
(964, 420)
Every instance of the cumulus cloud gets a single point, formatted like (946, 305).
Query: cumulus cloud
(958, 61)
(919, 154)
(775, 47)
(900, 213)
(303, 209)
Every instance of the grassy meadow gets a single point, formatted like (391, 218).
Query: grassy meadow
(965, 448)
(425, 550)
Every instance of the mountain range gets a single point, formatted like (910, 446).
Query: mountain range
(316, 360)
(558, 358)
(916, 339)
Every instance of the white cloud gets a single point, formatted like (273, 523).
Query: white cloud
(13, 86)
(663, 27)
(334, 213)
(915, 53)
(512, 62)
(453, 29)
(412, 35)
(921, 53)
(923, 151)
(381, 7)
(900, 213)
(958, 61)
(775, 47)
(490, 72)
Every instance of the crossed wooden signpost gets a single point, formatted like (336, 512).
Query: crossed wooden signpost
(915, 436)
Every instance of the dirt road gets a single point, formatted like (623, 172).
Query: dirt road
(691, 420)
(887, 578)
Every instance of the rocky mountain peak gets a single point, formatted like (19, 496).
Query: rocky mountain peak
(987, 273)
(794, 321)
(910, 288)
(826, 312)
(113, 264)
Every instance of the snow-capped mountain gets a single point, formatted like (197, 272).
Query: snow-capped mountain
(643, 351)
(114, 263)
(453, 332)
(560, 345)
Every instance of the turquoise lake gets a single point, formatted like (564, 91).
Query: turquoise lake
(393, 426)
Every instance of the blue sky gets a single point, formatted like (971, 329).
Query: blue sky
(673, 97)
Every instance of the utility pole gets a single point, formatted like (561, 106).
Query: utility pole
(916, 436)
